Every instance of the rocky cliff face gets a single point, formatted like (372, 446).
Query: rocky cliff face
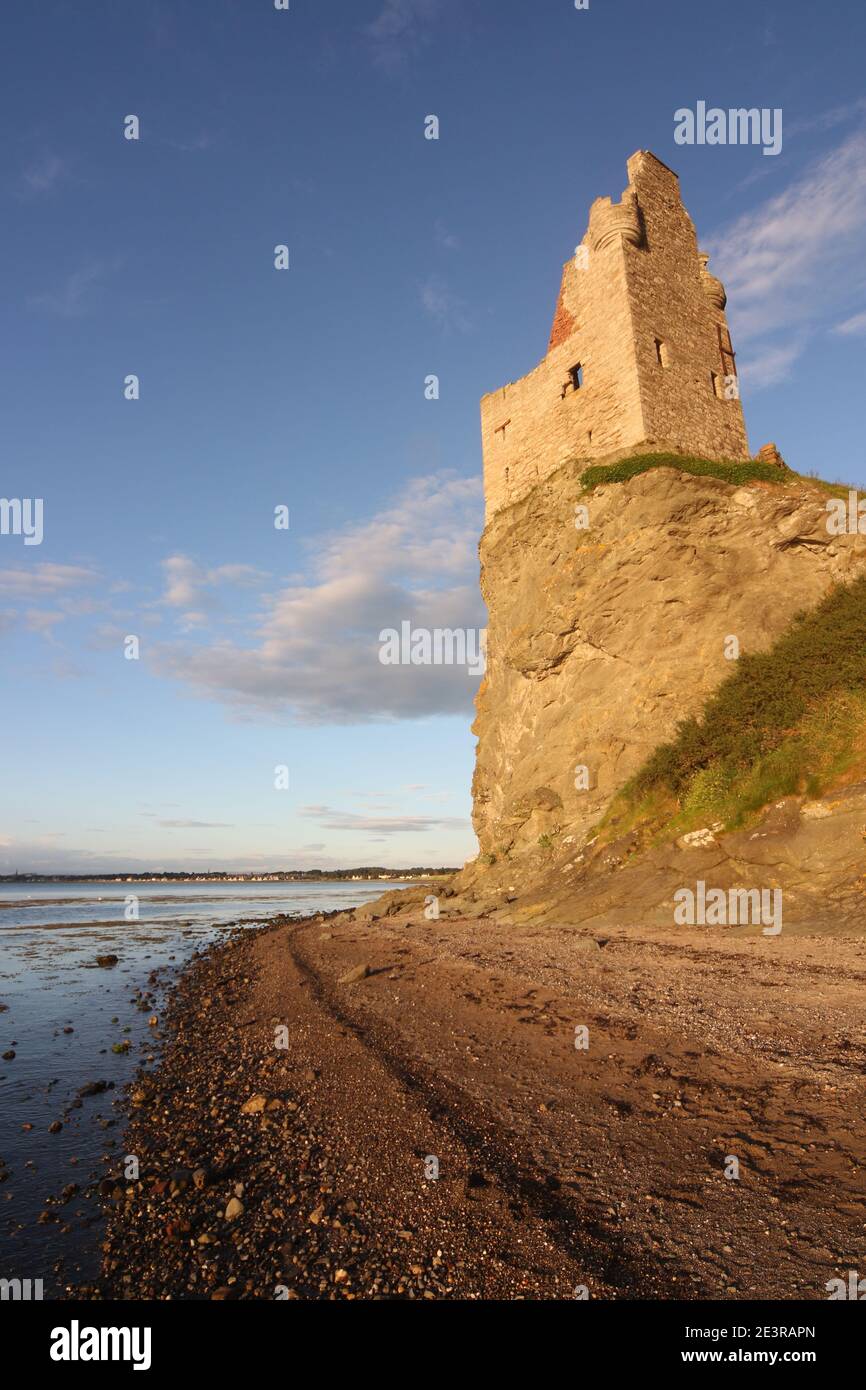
(602, 638)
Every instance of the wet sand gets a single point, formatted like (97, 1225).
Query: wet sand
(68, 1024)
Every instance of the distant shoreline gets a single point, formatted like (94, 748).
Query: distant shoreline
(275, 876)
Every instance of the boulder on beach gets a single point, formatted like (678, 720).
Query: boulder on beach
(351, 977)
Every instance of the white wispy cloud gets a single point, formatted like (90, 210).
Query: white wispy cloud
(43, 620)
(44, 578)
(790, 265)
(195, 825)
(400, 32)
(76, 294)
(444, 238)
(856, 324)
(193, 588)
(768, 365)
(193, 144)
(445, 307)
(47, 854)
(826, 120)
(331, 819)
(314, 652)
(43, 174)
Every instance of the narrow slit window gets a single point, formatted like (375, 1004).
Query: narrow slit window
(663, 355)
(576, 377)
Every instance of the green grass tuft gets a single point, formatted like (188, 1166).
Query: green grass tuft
(737, 471)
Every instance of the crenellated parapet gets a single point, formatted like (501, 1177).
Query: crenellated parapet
(615, 222)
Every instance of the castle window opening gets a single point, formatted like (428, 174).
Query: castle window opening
(663, 352)
(714, 383)
(576, 377)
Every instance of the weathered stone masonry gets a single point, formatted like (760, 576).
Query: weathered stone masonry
(638, 353)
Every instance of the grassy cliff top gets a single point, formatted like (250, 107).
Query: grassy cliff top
(735, 471)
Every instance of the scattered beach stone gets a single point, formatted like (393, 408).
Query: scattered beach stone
(351, 977)
(93, 1088)
(292, 1222)
(586, 945)
(9, 1056)
(55, 1127)
(106, 961)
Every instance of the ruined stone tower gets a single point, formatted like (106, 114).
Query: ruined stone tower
(639, 355)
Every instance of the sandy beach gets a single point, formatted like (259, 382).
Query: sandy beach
(314, 1070)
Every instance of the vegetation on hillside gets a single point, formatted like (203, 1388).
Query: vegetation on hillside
(789, 720)
(736, 471)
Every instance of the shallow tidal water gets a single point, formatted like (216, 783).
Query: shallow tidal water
(62, 1014)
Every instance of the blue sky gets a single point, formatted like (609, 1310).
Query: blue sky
(306, 387)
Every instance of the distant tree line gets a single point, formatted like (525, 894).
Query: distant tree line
(223, 876)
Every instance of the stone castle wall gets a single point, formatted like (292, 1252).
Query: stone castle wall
(675, 300)
(643, 318)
